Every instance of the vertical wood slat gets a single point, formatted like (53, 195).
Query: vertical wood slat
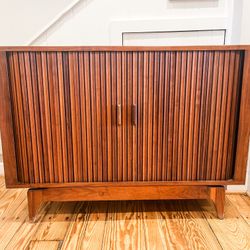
(212, 116)
(98, 118)
(145, 88)
(83, 122)
(20, 115)
(68, 118)
(47, 117)
(129, 114)
(160, 116)
(103, 118)
(74, 113)
(176, 115)
(62, 102)
(109, 121)
(203, 114)
(140, 96)
(217, 122)
(170, 134)
(88, 115)
(93, 117)
(187, 114)
(16, 123)
(30, 118)
(52, 102)
(41, 105)
(119, 128)
(65, 102)
(59, 164)
(77, 99)
(37, 113)
(217, 174)
(150, 115)
(155, 117)
(192, 116)
(124, 118)
(166, 116)
(27, 117)
(197, 115)
(114, 114)
(182, 116)
(135, 102)
(204, 157)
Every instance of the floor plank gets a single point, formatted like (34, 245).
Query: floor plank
(12, 221)
(129, 227)
(123, 224)
(92, 235)
(180, 225)
(109, 235)
(2, 182)
(41, 245)
(232, 232)
(78, 226)
(246, 198)
(9, 198)
(242, 205)
(55, 224)
(26, 230)
(152, 230)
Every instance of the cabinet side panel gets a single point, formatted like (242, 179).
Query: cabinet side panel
(6, 124)
(244, 124)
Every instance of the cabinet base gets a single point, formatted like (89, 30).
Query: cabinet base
(134, 192)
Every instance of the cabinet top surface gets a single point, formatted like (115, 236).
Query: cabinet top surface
(123, 48)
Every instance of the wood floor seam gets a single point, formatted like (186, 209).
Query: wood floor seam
(131, 224)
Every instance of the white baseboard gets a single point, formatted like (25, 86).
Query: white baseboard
(1, 169)
(237, 188)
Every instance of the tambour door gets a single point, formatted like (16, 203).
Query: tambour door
(64, 115)
(125, 114)
(188, 108)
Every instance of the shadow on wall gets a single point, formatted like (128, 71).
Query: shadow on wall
(183, 4)
(76, 8)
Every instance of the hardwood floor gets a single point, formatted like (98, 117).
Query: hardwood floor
(123, 225)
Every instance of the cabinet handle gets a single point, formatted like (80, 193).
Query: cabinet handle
(119, 114)
(134, 114)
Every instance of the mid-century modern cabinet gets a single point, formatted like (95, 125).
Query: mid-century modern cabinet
(125, 123)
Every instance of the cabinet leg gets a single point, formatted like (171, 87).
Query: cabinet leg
(35, 199)
(217, 195)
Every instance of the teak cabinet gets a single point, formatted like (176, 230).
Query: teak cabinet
(116, 123)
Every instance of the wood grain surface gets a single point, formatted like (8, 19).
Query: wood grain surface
(124, 224)
(74, 115)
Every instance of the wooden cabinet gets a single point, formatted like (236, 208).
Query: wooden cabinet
(93, 123)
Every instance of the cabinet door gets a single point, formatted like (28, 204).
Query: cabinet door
(188, 107)
(64, 114)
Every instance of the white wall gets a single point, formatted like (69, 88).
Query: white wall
(103, 22)
(91, 22)
(245, 23)
(21, 21)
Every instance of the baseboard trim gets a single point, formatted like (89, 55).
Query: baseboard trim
(1, 169)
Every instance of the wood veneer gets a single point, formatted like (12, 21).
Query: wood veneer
(125, 116)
